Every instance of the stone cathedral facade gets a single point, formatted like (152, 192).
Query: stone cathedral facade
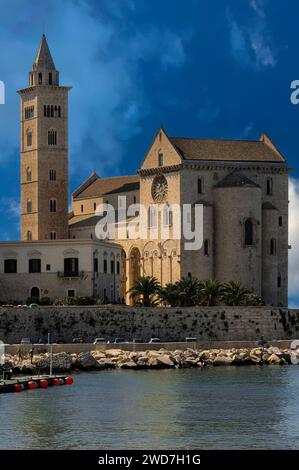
(242, 186)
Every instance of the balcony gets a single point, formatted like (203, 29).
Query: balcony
(70, 274)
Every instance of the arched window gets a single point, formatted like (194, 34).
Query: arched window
(28, 174)
(35, 292)
(55, 111)
(29, 138)
(52, 111)
(279, 280)
(167, 216)
(152, 217)
(53, 205)
(206, 247)
(52, 175)
(29, 235)
(48, 110)
(59, 111)
(160, 159)
(200, 186)
(52, 137)
(29, 205)
(40, 78)
(50, 78)
(117, 267)
(269, 186)
(53, 236)
(248, 228)
(273, 246)
(45, 110)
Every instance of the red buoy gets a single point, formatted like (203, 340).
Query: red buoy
(43, 383)
(68, 380)
(55, 382)
(31, 385)
(18, 388)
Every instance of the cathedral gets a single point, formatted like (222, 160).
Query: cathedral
(241, 185)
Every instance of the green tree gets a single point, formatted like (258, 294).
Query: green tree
(188, 291)
(210, 292)
(234, 293)
(169, 295)
(146, 288)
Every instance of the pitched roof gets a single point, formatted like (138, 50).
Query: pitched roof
(103, 186)
(43, 59)
(235, 180)
(262, 150)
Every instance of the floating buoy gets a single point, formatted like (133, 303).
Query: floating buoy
(18, 388)
(31, 385)
(55, 382)
(43, 383)
(69, 380)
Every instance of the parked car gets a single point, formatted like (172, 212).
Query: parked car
(154, 340)
(191, 339)
(78, 340)
(119, 341)
(25, 341)
(99, 340)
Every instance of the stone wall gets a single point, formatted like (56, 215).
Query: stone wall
(169, 324)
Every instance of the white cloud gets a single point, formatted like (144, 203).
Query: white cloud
(251, 43)
(294, 237)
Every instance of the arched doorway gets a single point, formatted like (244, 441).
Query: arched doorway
(34, 292)
(123, 288)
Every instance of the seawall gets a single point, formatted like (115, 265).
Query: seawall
(207, 324)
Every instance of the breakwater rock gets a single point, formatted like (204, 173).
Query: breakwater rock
(162, 359)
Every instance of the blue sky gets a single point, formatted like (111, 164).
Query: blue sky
(214, 68)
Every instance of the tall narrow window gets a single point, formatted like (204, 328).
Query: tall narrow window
(71, 267)
(59, 111)
(52, 137)
(269, 186)
(50, 78)
(48, 110)
(199, 186)
(29, 235)
(206, 248)
(152, 217)
(82, 208)
(94, 206)
(53, 205)
(160, 159)
(279, 280)
(273, 246)
(52, 175)
(10, 266)
(248, 227)
(280, 221)
(95, 265)
(40, 78)
(29, 205)
(167, 216)
(52, 111)
(112, 266)
(28, 174)
(35, 265)
(53, 236)
(118, 267)
(29, 138)
(45, 111)
(134, 199)
(105, 266)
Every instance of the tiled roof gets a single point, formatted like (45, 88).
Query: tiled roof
(235, 179)
(103, 186)
(228, 150)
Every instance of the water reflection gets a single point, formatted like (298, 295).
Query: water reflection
(249, 407)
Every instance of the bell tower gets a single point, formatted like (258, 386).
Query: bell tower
(44, 151)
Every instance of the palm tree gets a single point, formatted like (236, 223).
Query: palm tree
(188, 290)
(169, 295)
(210, 292)
(234, 293)
(253, 299)
(146, 287)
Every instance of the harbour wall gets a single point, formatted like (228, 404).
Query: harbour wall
(206, 324)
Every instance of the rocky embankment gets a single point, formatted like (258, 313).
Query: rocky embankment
(162, 359)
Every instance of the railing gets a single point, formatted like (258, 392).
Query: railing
(70, 274)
